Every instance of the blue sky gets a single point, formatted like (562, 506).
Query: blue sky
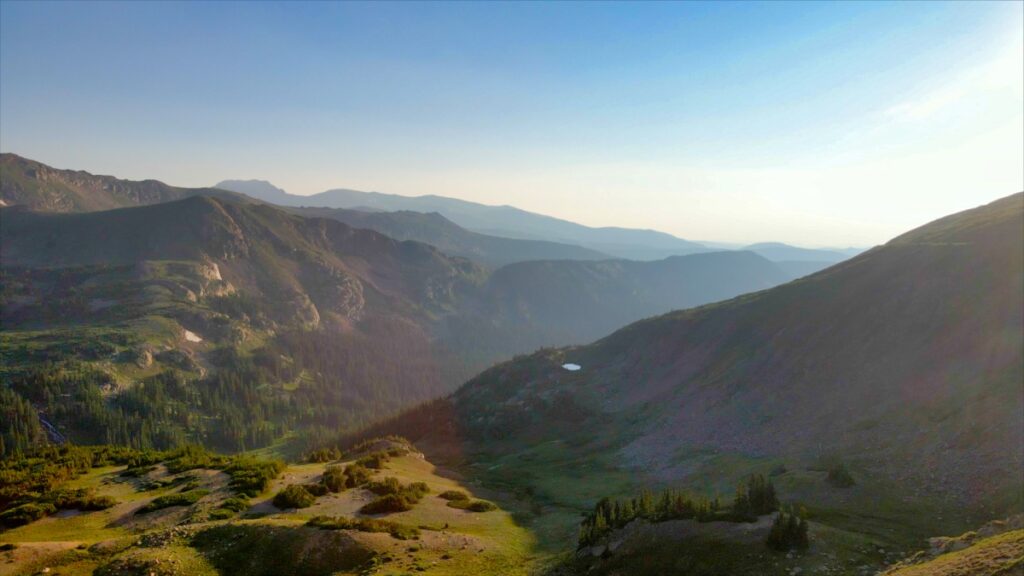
(812, 123)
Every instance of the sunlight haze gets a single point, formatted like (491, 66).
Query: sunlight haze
(838, 125)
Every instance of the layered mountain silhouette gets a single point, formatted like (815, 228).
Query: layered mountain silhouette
(436, 230)
(503, 221)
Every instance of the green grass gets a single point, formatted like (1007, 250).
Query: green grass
(1000, 555)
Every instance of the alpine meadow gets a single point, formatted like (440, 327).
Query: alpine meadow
(678, 288)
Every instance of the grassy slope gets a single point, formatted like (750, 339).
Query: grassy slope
(451, 542)
(999, 555)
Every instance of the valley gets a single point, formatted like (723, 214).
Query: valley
(218, 320)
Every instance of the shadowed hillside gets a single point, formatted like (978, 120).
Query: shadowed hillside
(903, 364)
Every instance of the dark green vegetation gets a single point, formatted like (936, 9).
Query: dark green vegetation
(180, 499)
(755, 497)
(34, 485)
(789, 531)
(461, 501)
(294, 496)
(393, 496)
(396, 530)
(473, 505)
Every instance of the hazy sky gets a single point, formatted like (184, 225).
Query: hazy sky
(811, 123)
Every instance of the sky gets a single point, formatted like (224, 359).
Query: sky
(818, 124)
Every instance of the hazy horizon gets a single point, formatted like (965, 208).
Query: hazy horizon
(812, 124)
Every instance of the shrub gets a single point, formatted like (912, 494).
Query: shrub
(235, 504)
(334, 479)
(755, 497)
(388, 485)
(375, 460)
(81, 499)
(179, 499)
(788, 531)
(221, 514)
(294, 496)
(193, 457)
(397, 531)
(323, 455)
(137, 471)
(420, 489)
(229, 508)
(387, 504)
(472, 505)
(251, 476)
(454, 495)
(316, 489)
(25, 514)
(481, 506)
(356, 475)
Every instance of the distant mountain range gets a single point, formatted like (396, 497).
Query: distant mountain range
(502, 221)
(436, 230)
(524, 236)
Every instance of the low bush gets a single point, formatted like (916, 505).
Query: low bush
(316, 489)
(393, 497)
(389, 485)
(481, 506)
(375, 460)
(334, 478)
(294, 496)
(25, 514)
(251, 476)
(472, 505)
(454, 495)
(235, 504)
(137, 471)
(419, 489)
(788, 531)
(356, 475)
(178, 499)
(221, 514)
(80, 499)
(397, 531)
(387, 504)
